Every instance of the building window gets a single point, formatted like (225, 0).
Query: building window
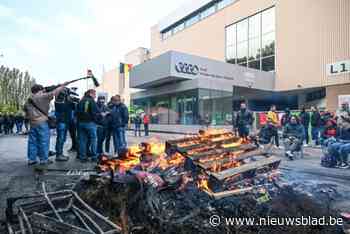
(166, 34)
(188, 21)
(208, 12)
(179, 28)
(255, 41)
(224, 3)
(231, 37)
(194, 19)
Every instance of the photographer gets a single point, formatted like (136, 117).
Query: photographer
(64, 107)
(36, 109)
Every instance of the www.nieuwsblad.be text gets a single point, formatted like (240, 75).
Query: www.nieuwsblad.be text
(216, 220)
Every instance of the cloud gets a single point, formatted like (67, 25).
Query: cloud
(32, 24)
(6, 11)
(33, 47)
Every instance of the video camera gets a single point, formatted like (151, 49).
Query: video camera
(68, 95)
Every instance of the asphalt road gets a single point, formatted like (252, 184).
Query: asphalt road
(16, 178)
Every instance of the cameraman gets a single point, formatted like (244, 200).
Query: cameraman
(37, 109)
(63, 110)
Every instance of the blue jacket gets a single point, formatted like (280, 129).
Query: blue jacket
(119, 115)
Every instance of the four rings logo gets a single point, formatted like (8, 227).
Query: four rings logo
(187, 68)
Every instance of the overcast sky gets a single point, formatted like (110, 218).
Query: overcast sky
(57, 40)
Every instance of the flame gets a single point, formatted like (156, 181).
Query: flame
(174, 160)
(153, 150)
(234, 144)
(215, 131)
(203, 184)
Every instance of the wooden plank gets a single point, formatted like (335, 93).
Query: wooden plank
(52, 225)
(244, 147)
(228, 159)
(246, 167)
(220, 195)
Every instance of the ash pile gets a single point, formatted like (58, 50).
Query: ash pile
(178, 186)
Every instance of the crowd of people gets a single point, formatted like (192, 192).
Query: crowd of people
(13, 124)
(91, 124)
(314, 127)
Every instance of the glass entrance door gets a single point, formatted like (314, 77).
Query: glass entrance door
(185, 109)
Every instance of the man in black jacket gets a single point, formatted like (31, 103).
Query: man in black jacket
(315, 124)
(119, 121)
(87, 113)
(63, 113)
(244, 121)
(305, 121)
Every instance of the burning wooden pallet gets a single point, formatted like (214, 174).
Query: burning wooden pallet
(225, 158)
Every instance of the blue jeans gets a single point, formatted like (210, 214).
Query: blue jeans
(119, 139)
(315, 131)
(61, 129)
(39, 142)
(19, 127)
(87, 138)
(340, 151)
(137, 129)
(101, 136)
(243, 131)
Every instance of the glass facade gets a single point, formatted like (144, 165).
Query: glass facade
(251, 42)
(208, 10)
(190, 107)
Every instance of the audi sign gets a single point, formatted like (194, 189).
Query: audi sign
(187, 68)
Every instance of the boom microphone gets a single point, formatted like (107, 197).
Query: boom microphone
(95, 81)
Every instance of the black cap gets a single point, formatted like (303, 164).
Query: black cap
(36, 88)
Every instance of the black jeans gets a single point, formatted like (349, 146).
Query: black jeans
(306, 130)
(146, 129)
(73, 135)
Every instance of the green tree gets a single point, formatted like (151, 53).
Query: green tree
(14, 88)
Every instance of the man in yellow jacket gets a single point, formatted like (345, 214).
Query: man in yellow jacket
(272, 116)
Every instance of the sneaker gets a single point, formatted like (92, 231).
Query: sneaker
(31, 163)
(344, 166)
(83, 160)
(306, 145)
(289, 155)
(52, 153)
(94, 160)
(62, 158)
(47, 162)
(71, 150)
